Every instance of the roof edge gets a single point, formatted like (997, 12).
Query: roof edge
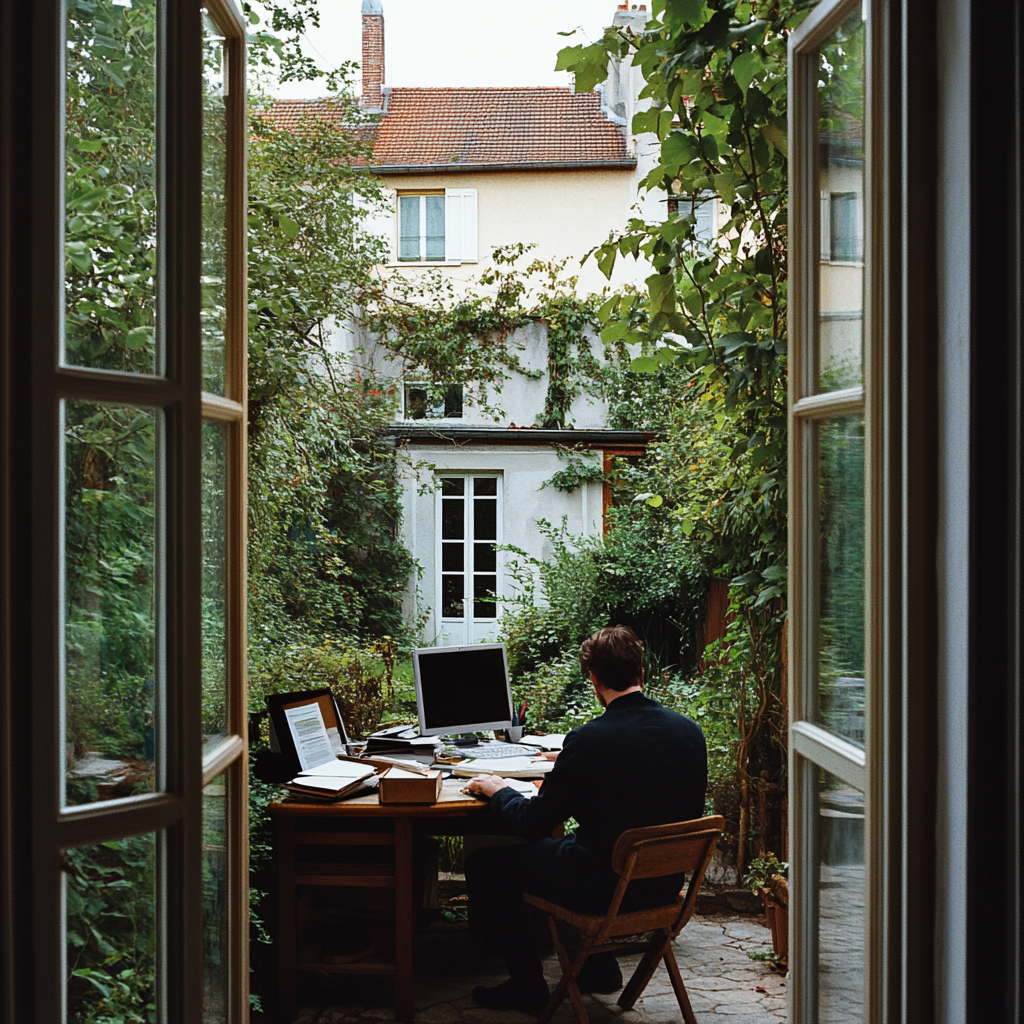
(617, 164)
(436, 434)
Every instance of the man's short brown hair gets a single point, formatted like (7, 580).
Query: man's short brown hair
(616, 657)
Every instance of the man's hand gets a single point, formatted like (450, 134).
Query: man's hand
(547, 755)
(484, 785)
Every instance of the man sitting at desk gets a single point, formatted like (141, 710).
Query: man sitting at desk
(639, 764)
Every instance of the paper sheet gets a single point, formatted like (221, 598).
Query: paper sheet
(312, 743)
(552, 741)
(505, 765)
(339, 770)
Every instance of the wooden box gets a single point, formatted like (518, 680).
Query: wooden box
(403, 787)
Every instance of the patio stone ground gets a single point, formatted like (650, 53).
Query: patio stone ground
(722, 981)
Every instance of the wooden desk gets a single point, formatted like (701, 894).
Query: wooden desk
(298, 824)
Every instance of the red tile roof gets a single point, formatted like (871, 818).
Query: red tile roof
(479, 129)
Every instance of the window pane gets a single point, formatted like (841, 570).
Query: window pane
(485, 485)
(435, 227)
(453, 402)
(110, 530)
(841, 916)
(485, 519)
(215, 237)
(841, 584)
(452, 596)
(484, 588)
(215, 472)
(453, 485)
(452, 557)
(453, 525)
(110, 917)
(110, 182)
(415, 403)
(216, 948)
(841, 178)
(485, 558)
(409, 227)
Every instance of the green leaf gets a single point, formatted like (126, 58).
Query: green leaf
(644, 364)
(288, 226)
(614, 331)
(680, 12)
(655, 501)
(139, 337)
(607, 309)
(79, 256)
(662, 288)
(775, 136)
(745, 68)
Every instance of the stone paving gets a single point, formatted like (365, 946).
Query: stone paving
(712, 952)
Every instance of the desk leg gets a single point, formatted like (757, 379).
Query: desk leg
(405, 919)
(286, 938)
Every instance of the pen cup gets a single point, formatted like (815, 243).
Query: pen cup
(515, 733)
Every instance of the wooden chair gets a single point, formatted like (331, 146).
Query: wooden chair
(639, 853)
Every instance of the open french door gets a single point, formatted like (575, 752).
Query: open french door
(123, 863)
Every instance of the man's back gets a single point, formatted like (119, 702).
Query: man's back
(638, 764)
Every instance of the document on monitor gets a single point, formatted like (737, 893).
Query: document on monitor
(312, 743)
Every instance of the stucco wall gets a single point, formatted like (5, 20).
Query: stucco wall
(565, 213)
(523, 470)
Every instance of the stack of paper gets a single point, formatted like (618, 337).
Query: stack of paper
(506, 767)
(401, 741)
(332, 780)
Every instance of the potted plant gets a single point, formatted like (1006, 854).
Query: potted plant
(767, 878)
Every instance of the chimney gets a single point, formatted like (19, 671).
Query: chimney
(373, 54)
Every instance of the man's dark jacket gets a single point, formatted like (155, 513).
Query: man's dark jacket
(638, 764)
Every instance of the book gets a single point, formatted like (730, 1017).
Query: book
(333, 784)
(506, 767)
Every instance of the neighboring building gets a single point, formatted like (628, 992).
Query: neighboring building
(468, 170)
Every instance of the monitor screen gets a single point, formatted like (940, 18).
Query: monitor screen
(462, 689)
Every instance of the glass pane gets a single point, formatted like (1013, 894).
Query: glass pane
(409, 227)
(841, 913)
(451, 597)
(435, 227)
(485, 485)
(485, 587)
(485, 519)
(415, 403)
(215, 234)
(110, 531)
(216, 949)
(485, 558)
(453, 485)
(110, 917)
(453, 526)
(841, 181)
(453, 402)
(110, 182)
(215, 517)
(841, 584)
(452, 557)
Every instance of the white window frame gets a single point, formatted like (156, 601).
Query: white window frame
(468, 620)
(460, 227)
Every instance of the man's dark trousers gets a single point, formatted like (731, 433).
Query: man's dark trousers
(637, 765)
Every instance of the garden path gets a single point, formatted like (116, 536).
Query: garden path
(713, 954)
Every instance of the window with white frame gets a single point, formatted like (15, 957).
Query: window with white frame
(437, 226)
(469, 528)
(845, 235)
(433, 401)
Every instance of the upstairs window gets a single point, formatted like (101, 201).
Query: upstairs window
(433, 401)
(846, 242)
(437, 226)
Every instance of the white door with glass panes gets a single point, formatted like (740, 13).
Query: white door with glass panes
(835, 971)
(467, 560)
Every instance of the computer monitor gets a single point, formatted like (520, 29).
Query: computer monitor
(462, 689)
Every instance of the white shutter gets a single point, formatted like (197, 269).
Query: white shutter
(381, 221)
(460, 225)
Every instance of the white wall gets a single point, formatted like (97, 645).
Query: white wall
(524, 469)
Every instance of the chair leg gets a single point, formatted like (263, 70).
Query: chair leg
(567, 983)
(680, 989)
(643, 973)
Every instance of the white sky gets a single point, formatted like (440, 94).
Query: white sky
(458, 42)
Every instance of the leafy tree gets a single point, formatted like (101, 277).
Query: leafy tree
(715, 74)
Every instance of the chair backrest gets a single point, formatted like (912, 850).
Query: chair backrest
(668, 849)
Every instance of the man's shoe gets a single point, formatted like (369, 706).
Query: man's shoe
(514, 995)
(600, 974)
